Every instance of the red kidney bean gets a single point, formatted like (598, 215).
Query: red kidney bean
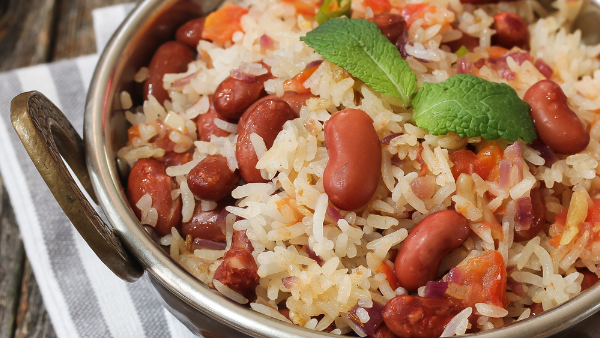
(170, 57)
(265, 119)
(148, 176)
(190, 32)
(555, 123)
(470, 42)
(211, 179)
(392, 26)
(239, 270)
(413, 316)
(206, 124)
(233, 96)
(420, 254)
(294, 99)
(171, 158)
(511, 31)
(589, 279)
(538, 210)
(382, 332)
(208, 225)
(352, 172)
(536, 309)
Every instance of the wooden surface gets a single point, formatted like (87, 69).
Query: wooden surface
(33, 32)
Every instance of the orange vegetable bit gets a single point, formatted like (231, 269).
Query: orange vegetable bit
(378, 6)
(297, 82)
(413, 12)
(221, 24)
(306, 7)
(495, 52)
(133, 132)
(486, 164)
(463, 162)
(389, 273)
(485, 276)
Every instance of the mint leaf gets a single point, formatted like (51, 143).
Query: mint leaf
(468, 105)
(358, 46)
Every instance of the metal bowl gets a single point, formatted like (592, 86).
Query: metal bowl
(124, 245)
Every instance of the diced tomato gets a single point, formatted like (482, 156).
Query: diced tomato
(487, 160)
(297, 82)
(413, 12)
(485, 276)
(389, 273)
(463, 162)
(221, 24)
(306, 7)
(593, 211)
(561, 218)
(495, 52)
(378, 6)
(133, 132)
(555, 241)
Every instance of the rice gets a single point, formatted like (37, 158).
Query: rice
(320, 262)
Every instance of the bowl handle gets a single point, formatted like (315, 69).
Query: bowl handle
(47, 134)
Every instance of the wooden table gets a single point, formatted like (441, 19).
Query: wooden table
(34, 32)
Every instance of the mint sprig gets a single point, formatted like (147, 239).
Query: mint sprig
(358, 46)
(471, 106)
(464, 104)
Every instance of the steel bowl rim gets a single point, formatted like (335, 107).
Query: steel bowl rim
(106, 184)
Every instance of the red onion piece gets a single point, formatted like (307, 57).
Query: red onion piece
(389, 138)
(501, 65)
(516, 287)
(513, 154)
(435, 289)
(504, 174)
(545, 152)
(454, 275)
(239, 75)
(184, 80)
(200, 243)
(465, 66)
(375, 317)
(333, 213)
(313, 64)
(266, 42)
(524, 215)
(313, 255)
(544, 68)
(510, 268)
(221, 220)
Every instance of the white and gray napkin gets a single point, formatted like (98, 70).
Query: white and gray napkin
(82, 296)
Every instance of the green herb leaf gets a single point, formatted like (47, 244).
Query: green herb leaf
(468, 105)
(358, 46)
(333, 9)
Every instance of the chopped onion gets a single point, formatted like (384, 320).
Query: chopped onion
(290, 282)
(504, 174)
(454, 275)
(184, 80)
(266, 42)
(313, 255)
(239, 75)
(313, 64)
(200, 243)
(435, 289)
(524, 215)
(517, 287)
(333, 213)
(545, 152)
(389, 138)
(544, 68)
(375, 315)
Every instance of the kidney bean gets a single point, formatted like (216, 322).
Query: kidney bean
(589, 279)
(538, 210)
(469, 41)
(413, 316)
(352, 172)
(206, 124)
(190, 32)
(536, 309)
(511, 31)
(294, 99)
(171, 158)
(211, 179)
(233, 96)
(421, 253)
(208, 225)
(392, 26)
(382, 332)
(265, 119)
(239, 270)
(170, 57)
(148, 176)
(555, 123)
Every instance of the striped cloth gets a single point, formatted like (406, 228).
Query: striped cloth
(83, 298)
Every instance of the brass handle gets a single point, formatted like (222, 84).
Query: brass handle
(47, 134)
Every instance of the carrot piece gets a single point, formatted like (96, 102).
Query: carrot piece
(221, 24)
(297, 82)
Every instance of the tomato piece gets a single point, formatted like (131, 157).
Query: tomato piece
(485, 276)
(389, 273)
(305, 7)
(378, 6)
(487, 160)
(413, 12)
(297, 82)
(495, 52)
(463, 162)
(221, 24)
(593, 211)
